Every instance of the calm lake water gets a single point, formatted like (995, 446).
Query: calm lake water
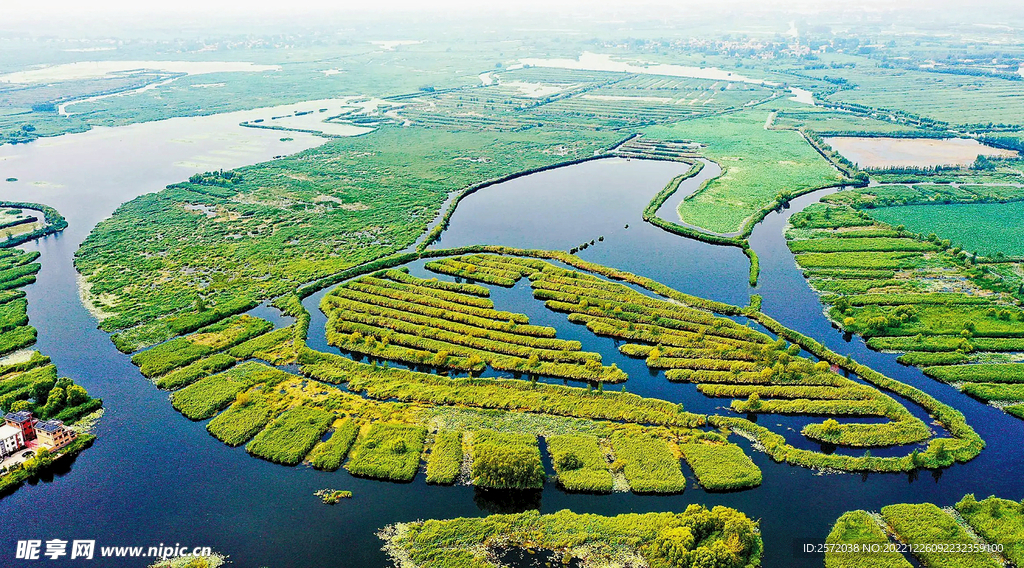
(155, 477)
(879, 152)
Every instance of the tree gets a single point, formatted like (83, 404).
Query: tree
(41, 390)
(441, 359)
(831, 428)
(55, 402)
(941, 453)
(568, 461)
(76, 395)
(754, 402)
(38, 462)
(20, 405)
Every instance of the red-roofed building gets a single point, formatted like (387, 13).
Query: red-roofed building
(23, 421)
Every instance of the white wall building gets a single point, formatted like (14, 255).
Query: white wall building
(11, 440)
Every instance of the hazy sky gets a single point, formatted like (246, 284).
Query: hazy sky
(52, 7)
(90, 15)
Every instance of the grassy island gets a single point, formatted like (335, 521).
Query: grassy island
(391, 419)
(971, 533)
(697, 537)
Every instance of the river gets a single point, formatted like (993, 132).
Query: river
(155, 477)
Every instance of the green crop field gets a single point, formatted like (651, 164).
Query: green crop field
(957, 99)
(987, 228)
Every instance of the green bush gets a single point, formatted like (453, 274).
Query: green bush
(230, 331)
(17, 338)
(462, 288)
(388, 451)
(695, 537)
(861, 244)
(507, 394)
(978, 373)
(433, 300)
(455, 267)
(262, 346)
(998, 521)
(13, 314)
(166, 356)
(860, 528)
(291, 435)
(329, 455)
(999, 392)
(506, 460)
(860, 260)
(241, 422)
(204, 398)
(580, 463)
(412, 285)
(921, 358)
(444, 462)
(721, 467)
(341, 298)
(927, 524)
(648, 463)
(195, 371)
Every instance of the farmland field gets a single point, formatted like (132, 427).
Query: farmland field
(987, 228)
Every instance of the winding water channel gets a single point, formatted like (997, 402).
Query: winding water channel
(155, 477)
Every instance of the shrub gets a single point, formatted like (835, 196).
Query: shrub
(444, 462)
(379, 456)
(860, 528)
(927, 524)
(721, 467)
(17, 338)
(998, 521)
(922, 358)
(472, 289)
(580, 463)
(169, 355)
(206, 397)
(648, 463)
(659, 540)
(195, 371)
(1000, 392)
(506, 461)
(241, 422)
(291, 435)
(268, 346)
(330, 454)
(979, 373)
